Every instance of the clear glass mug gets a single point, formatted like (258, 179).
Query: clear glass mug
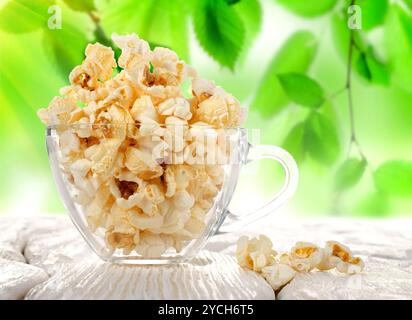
(153, 194)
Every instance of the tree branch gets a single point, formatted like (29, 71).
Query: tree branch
(99, 33)
(348, 87)
(353, 136)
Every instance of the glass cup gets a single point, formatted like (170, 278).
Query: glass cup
(154, 194)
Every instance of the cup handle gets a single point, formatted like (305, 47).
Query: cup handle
(236, 221)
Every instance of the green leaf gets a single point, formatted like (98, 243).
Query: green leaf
(371, 69)
(220, 31)
(379, 71)
(230, 2)
(399, 46)
(308, 8)
(373, 13)
(81, 5)
(406, 22)
(363, 68)
(320, 139)
(302, 90)
(294, 142)
(365, 61)
(373, 204)
(250, 12)
(296, 55)
(19, 16)
(162, 22)
(349, 173)
(395, 178)
(408, 3)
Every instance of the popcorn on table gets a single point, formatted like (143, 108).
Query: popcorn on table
(305, 256)
(339, 256)
(257, 254)
(278, 275)
(119, 148)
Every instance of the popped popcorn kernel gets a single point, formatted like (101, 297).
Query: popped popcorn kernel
(98, 66)
(58, 111)
(305, 256)
(256, 253)
(340, 257)
(178, 107)
(135, 53)
(278, 275)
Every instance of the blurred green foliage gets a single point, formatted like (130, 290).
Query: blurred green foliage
(338, 99)
(302, 90)
(308, 8)
(349, 173)
(217, 18)
(296, 55)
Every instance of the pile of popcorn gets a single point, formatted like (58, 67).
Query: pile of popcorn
(129, 141)
(257, 254)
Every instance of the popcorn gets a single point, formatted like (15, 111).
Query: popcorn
(99, 207)
(174, 220)
(201, 86)
(213, 110)
(84, 130)
(156, 85)
(278, 275)
(278, 270)
(174, 136)
(104, 158)
(134, 196)
(183, 200)
(305, 256)
(122, 96)
(119, 240)
(255, 254)
(177, 107)
(141, 163)
(143, 221)
(144, 163)
(339, 256)
(177, 177)
(58, 112)
(194, 226)
(143, 109)
(79, 170)
(151, 245)
(198, 212)
(69, 143)
(135, 53)
(216, 173)
(202, 186)
(98, 66)
(214, 106)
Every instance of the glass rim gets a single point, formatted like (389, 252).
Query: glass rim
(146, 124)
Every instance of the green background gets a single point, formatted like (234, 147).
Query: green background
(286, 60)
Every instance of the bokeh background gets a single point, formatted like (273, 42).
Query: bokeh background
(339, 99)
